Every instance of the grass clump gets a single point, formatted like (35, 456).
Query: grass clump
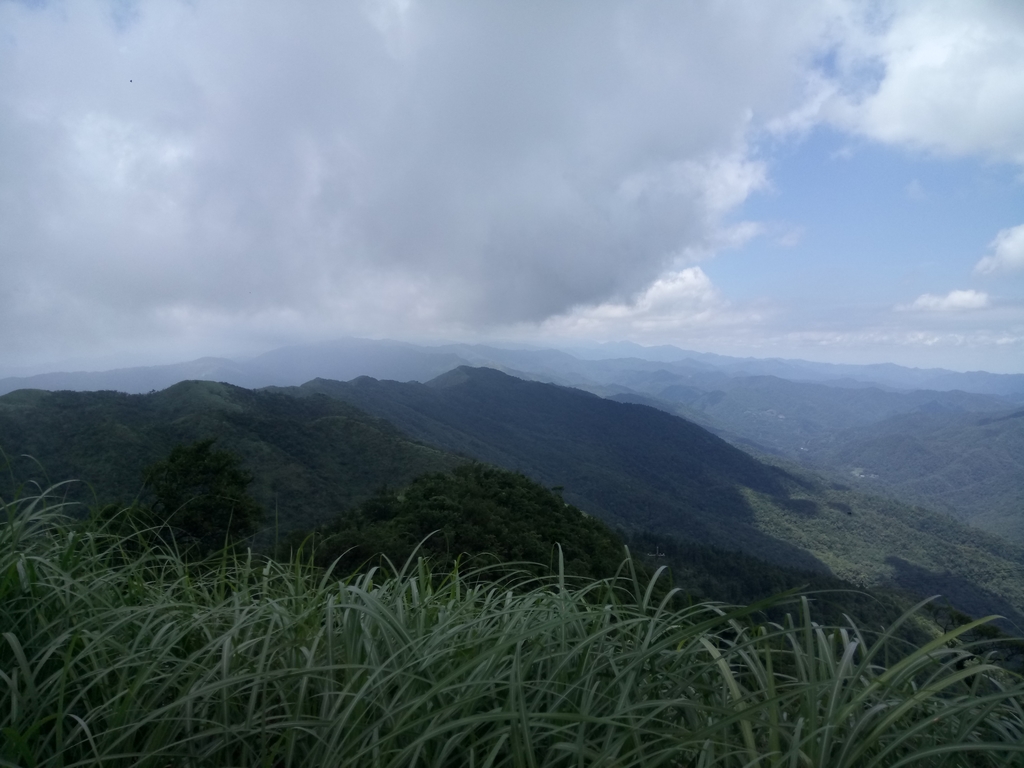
(113, 654)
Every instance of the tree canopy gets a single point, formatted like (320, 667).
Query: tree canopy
(201, 495)
(476, 509)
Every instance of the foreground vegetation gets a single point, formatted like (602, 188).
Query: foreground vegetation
(114, 654)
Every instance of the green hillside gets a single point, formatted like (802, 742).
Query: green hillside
(643, 469)
(311, 458)
(631, 466)
(954, 452)
(970, 465)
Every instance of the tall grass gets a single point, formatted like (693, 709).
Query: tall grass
(113, 655)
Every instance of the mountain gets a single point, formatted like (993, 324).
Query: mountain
(786, 417)
(315, 452)
(131, 380)
(629, 465)
(311, 458)
(956, 452)
(790, 408)
(585, 367)
(642, 469)
(342, 359)
(319, 463)
(887, 375)
(970, 465)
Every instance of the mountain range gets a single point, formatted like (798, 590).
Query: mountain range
(883, 428)
(322, 447)
(597, 365)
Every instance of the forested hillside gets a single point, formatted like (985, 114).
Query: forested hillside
(480, 516)
(311, 458)
(970, 465)
(473, 510)
(644, 469)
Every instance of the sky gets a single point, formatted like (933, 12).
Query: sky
(834, 181)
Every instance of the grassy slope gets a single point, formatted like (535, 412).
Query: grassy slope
(641, 468)
(152, 662)
(311, 457)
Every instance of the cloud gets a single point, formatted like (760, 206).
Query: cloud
(1007, 252)
(951, 302)
(677, 306)
(214, 177)
(489, 164)
(941, 76)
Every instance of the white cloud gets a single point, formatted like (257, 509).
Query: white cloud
(940, 76)
(1007, 252)
(675, 307)
(952, 301)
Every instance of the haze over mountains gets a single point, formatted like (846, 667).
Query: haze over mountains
(593, 365)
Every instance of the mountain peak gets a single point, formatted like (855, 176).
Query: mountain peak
(464, 373)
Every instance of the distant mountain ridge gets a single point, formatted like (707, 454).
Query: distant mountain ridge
(834, 374)
(343, 359)
(786, 417)
(347, 358)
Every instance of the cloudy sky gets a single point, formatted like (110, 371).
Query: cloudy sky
(838, 181)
